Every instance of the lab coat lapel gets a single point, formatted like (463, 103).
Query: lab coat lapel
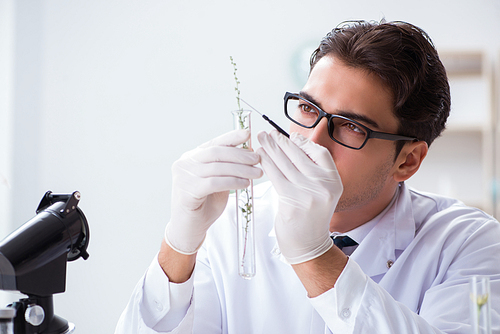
(394, 231)
(375, 252)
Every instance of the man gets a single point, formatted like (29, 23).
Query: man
(376, 97)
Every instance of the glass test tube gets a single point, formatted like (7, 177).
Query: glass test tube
(480, 304)
(245, 209)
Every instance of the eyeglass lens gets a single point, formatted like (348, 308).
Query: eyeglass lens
(343, 130)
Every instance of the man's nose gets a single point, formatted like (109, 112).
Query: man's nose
(320, 134)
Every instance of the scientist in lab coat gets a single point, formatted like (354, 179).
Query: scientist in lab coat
(342, 244)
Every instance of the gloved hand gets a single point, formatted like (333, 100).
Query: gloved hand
(309, 187)
(201, 180)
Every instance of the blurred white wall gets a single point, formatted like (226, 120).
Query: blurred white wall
(102, 96)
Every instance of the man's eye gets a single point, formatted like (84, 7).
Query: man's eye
(306, 108)
(353, 127)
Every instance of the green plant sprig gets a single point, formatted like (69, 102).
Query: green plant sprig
(237, 88)
(241, 119)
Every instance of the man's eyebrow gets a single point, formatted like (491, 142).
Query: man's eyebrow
(309, 98)
(358, 118)
(345, 113)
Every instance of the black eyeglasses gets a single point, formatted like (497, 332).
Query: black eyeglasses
(342, 130)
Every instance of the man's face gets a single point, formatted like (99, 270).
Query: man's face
(367, 173)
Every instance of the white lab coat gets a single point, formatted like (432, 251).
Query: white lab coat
(408, 275)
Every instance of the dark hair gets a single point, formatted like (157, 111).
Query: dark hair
(404, 57)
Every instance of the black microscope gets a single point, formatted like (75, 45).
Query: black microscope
(33, 261)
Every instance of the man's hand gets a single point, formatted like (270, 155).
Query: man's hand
(309, 187)
(201, 181)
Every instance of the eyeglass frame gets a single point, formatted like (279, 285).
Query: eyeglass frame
(369, 132)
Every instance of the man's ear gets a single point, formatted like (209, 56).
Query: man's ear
(409, 160)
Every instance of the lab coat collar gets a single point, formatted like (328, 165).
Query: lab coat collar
(394, 231)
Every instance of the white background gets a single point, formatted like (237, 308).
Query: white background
(102, 96)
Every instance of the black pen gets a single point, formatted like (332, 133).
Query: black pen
(276, 126)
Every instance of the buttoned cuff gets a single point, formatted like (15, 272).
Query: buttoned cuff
(161, 297)
(339, 306)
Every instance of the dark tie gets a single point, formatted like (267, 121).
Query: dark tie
(343, 241)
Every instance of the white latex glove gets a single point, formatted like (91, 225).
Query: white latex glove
(201, 180)
(309, 187)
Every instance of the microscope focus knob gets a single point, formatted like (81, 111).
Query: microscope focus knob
(34, 315)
